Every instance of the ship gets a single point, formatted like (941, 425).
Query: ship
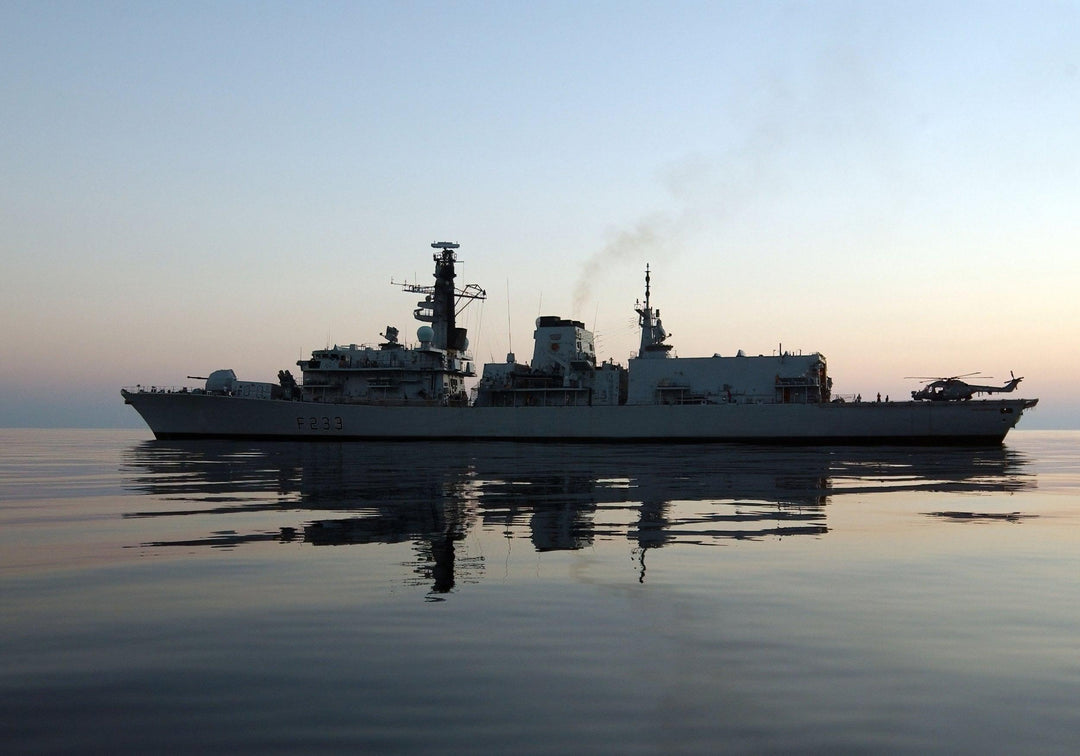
(430, 390)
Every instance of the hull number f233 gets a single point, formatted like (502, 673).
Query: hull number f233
(319, 423)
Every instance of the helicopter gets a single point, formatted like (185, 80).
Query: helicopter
(954, 389)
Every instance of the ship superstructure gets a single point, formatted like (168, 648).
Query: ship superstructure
(432, 373)
(417, 392)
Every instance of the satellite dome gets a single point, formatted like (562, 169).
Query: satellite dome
(425, 334)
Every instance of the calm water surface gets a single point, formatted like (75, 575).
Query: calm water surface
(439, 598)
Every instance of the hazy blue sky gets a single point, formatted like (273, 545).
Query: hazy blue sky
(190, 186)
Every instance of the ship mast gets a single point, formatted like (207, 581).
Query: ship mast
(652, 330)
(440, 305)
(443, 321)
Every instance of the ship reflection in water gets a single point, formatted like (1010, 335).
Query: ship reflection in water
(559, 497)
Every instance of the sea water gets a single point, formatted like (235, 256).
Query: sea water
(492, 598)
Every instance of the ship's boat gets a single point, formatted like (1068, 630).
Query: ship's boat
(395, 391)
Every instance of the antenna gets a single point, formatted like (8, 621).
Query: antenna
(509, 330)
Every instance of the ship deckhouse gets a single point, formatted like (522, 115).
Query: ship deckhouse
(779, 379)
(564, 372)
(657, 378)
(432, 372)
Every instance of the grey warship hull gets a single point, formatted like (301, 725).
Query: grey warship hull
(401, 392)
(179, 415)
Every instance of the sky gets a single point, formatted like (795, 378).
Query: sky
(191, 186)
